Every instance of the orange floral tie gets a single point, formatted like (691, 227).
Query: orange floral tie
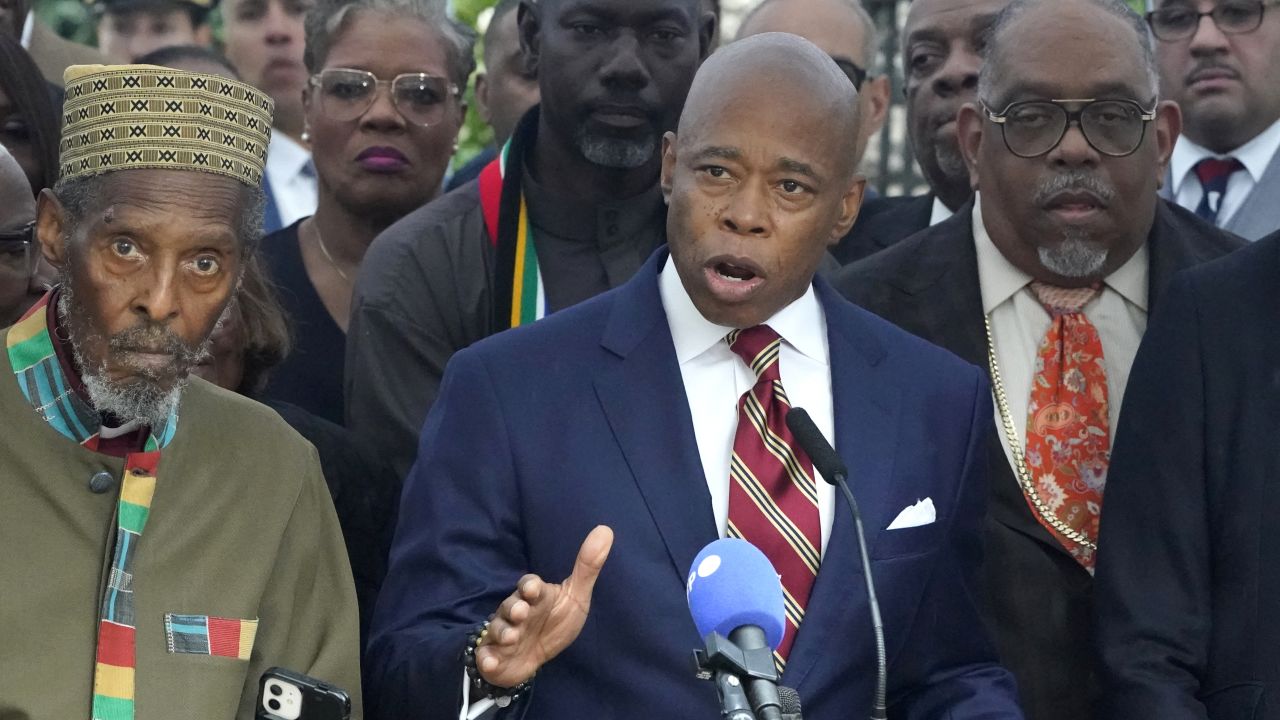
(1068, 433)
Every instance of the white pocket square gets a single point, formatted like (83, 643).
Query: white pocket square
(922, 513)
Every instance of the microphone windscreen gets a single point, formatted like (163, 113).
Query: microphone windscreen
(809, 437)
(732, 584)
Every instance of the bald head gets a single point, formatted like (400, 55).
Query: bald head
(760, 176)
(840, 28)
(780, 78)
(19, 205)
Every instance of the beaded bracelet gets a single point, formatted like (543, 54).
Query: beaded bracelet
(502, 697)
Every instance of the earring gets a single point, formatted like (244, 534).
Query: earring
(306, 136)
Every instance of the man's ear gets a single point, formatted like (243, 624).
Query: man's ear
(877, 91)
(529, 25)
(969, 129)
(1168, 125)
(850, 205)
(706, 34)
(51, 224)
(667, 179)
(482, 96)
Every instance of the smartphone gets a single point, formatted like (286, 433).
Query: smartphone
(287, 695)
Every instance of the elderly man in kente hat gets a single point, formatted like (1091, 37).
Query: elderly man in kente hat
(165, 542)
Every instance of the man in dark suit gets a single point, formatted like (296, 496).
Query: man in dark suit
(624, 412)
(1189, 578)
(941, 45)
(1048, 277)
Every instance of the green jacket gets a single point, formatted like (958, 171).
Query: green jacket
(241, 526)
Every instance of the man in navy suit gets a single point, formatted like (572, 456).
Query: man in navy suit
(1189, 576)
(616, 420)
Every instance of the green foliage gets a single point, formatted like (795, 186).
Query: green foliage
(70, 18)
(475, 134)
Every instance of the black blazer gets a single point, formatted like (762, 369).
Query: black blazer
(1188, 581)
(882, 222)
(1036, 600)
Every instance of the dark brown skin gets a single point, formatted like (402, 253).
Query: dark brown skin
(640, 55)
(1226, 85)
(764, 187)
(1067, 49)
(357, 203)
(159, 251)
(17, 208)
(942, 40)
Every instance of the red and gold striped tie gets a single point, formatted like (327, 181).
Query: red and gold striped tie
(773, 500)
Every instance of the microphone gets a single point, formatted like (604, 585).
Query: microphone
(734, 593)
(790, 703)
(833, 470)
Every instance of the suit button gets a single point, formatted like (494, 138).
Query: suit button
(101, 482)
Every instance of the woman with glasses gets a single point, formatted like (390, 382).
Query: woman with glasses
(20, 285)
(383, 108)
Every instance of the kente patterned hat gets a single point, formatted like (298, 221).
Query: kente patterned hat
(124, 117)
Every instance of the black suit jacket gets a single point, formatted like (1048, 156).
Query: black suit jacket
(881, 223)
(1036, 600)
(1188, 581)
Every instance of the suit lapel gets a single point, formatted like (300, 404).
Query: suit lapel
(643, 399)
(866, 428)
(1258, 216)
(1179, 240)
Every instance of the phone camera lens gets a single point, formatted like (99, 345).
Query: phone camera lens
(273, 704)
(276, 690)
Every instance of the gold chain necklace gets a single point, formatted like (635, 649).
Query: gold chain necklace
(1019, 460)
(325, 250)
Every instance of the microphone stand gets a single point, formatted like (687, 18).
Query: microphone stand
(727, 664)
(832, 469)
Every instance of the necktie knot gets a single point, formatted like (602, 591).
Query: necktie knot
(758, 347)
(1214, 173)
(1063, 301)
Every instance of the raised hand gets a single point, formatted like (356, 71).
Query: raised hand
(540, 619)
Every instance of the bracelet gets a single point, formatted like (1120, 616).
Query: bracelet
(502, 697)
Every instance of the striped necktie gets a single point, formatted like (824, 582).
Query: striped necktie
(773, 499)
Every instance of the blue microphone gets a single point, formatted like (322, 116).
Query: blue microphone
(734, 592)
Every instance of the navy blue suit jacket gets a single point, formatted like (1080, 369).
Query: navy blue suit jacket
(544, 432)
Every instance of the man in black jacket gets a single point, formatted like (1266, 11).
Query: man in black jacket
(941, 45)
(1048, 276)
(1189, 581)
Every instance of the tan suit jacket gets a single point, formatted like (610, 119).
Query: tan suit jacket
(54, 53)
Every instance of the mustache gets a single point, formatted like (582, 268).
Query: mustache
(1209, 64)
(158, 339)
(1078, 180)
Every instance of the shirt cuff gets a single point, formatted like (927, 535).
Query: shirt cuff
(470, 710)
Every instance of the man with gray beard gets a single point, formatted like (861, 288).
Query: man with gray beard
(1046, 279)
(571, 209)
(178, 539)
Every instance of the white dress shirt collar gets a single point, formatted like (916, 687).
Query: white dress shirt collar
(802, 324)
(285, 157)
(1255, 155)
(27, 27)
(939, 212)
(1000, 279)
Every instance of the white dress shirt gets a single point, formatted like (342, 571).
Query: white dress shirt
(1255, 155)
(1019, 322)
(939, 212)
(715, 378)
(27, 26)
(293, 183)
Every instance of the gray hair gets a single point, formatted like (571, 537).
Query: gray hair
(870, 33)
(81, 195)
(1117, 8)
(325, 21)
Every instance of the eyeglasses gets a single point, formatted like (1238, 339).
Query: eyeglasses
(17, 255)
(1034, 127)
(1234, 17)
(348, 94)
(856, 74)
